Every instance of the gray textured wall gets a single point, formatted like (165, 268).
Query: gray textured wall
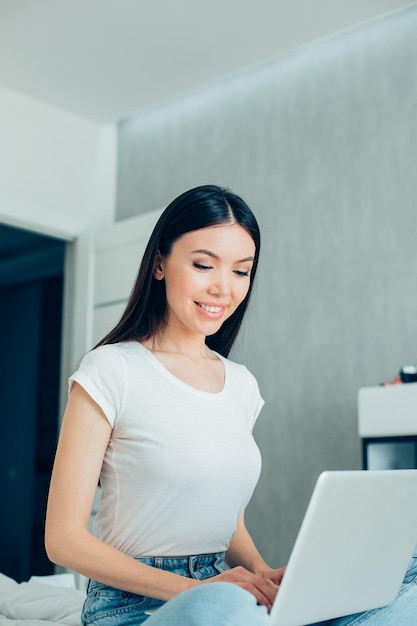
(322, 143)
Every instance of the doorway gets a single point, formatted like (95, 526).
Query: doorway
(31, 297)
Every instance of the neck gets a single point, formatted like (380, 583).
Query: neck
(167, 341)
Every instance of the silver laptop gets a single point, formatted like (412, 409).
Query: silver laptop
(353, 547)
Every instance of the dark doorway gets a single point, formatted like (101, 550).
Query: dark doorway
(31, 286)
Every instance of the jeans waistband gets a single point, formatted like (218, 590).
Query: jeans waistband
(180, 560)
(186, 565)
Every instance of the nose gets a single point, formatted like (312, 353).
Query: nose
(220, 285)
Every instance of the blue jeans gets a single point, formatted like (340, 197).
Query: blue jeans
(223, 604)
(107, 606)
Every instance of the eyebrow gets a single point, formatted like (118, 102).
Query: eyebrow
(215, 256)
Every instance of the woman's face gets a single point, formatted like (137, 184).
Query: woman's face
(207, 275)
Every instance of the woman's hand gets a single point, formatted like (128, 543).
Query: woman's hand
(264, 587)
(276, 575)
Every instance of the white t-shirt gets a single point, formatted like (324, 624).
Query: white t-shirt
(181, 464)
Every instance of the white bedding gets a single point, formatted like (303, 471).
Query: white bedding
(38, 603)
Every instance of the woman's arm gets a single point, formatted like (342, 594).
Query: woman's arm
(83, 440)
(242, 551)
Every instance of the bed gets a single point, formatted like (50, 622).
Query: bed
(41, 601)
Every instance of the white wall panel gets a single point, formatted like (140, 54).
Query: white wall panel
(105, 318)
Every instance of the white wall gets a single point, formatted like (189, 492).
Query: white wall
(57, 170)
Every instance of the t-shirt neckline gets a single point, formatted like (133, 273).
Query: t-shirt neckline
(157, 363)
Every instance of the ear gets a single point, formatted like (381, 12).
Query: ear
(158, 268)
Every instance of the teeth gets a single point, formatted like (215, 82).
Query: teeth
(211, 309)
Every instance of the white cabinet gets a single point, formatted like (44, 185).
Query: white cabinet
(387, 424)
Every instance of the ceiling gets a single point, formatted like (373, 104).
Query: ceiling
(105, 60)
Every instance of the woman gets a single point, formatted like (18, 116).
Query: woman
(161, 416)
(163, 419)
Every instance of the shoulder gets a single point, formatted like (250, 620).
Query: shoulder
(110, 360)
(246, 388)
(240, 371)
(108, 353)
(102, 372)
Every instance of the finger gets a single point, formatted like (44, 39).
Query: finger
(261, 599)
(263, 589)
(276, 575)
(268, 589)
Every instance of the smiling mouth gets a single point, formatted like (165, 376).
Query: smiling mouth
(210, 309)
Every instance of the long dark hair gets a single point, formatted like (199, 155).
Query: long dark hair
(201, 207)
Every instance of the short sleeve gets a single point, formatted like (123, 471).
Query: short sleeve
(101, 374)
(256, 402)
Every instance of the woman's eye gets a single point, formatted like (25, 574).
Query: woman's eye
(241, 273)
(200, 266)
